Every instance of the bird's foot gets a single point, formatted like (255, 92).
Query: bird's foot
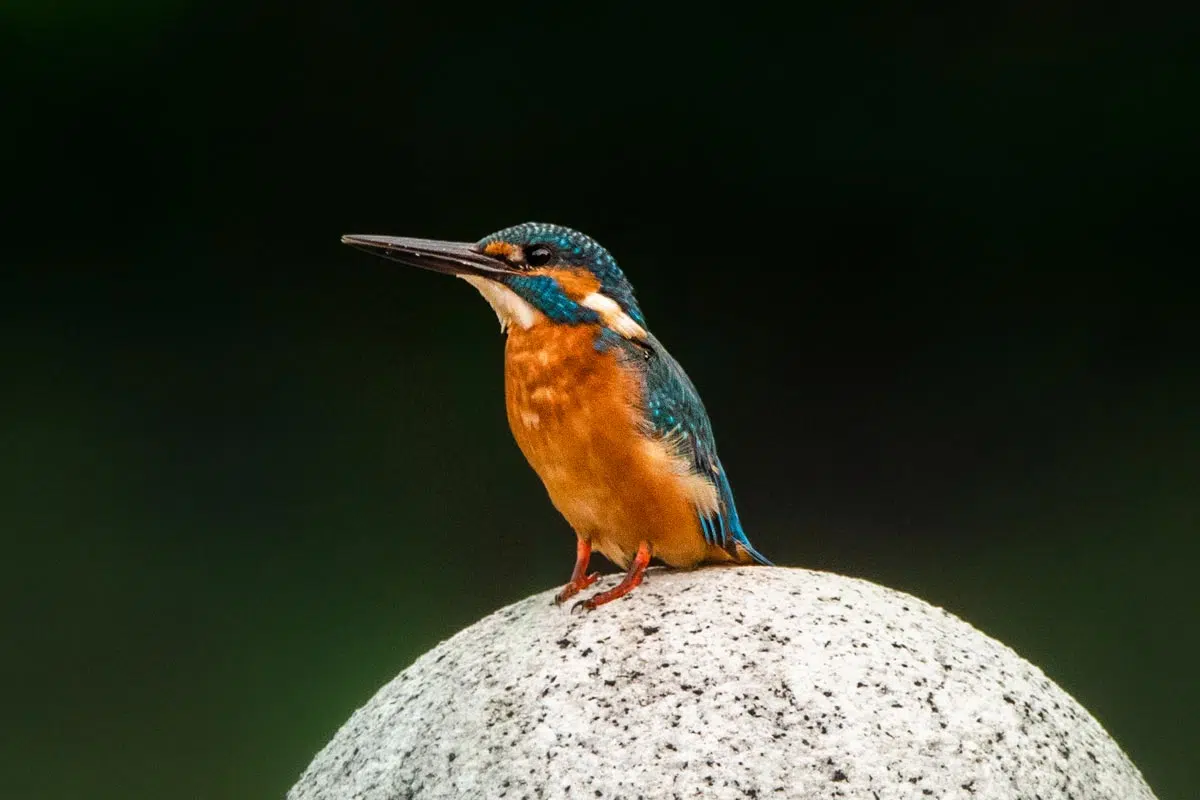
(600, 598)
(575, 587)
(632, 578)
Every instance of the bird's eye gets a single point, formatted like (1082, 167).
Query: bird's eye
(538, 255)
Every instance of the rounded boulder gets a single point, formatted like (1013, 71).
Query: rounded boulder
(725, 682)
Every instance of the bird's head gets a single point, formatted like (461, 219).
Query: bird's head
(530, 273)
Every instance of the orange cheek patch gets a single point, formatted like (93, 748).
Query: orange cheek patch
(576, 283)
(502, 249)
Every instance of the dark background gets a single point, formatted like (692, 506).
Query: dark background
(930, 274)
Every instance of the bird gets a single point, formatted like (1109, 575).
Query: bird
(605, 416)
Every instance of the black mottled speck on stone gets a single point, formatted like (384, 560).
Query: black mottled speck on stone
(649, 630)
(564, 642)
(838, 776)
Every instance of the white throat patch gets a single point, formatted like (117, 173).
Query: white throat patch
(510, 308)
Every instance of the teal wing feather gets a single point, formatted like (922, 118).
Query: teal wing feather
(675, 413)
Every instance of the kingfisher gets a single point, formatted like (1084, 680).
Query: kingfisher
(606, 417)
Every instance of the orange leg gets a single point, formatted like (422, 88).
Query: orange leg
(579, 577)
(632, 578)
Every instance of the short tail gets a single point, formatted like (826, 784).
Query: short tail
(744, 546)
(737, 537)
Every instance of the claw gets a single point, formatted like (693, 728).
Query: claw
(575, 587)
(586, 605)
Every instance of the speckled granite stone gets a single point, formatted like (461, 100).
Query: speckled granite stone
(748, 682)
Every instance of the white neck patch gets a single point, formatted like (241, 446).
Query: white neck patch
(613, 315)
(510, 308)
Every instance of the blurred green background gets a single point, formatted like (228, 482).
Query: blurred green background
(930, 274)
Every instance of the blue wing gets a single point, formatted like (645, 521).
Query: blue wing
(676, 414)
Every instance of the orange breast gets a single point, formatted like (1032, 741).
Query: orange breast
(574, 413)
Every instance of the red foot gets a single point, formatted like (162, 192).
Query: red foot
(579, 578)
(575, 587)
(632, 578)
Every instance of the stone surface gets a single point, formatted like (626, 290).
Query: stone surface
(747, 682)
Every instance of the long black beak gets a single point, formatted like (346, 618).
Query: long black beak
(452, 258)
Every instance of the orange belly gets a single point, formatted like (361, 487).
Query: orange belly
(574, 413)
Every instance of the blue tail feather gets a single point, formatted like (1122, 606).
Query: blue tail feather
(728, 520)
